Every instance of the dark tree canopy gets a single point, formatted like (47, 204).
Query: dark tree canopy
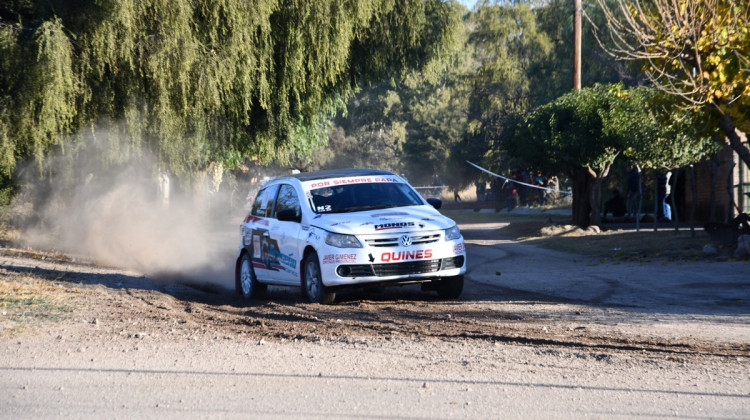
(199, 81)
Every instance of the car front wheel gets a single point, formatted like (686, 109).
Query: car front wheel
(313, 282)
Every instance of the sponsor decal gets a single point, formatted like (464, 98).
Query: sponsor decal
(354, 180)
(287, 260)
(256, 220)
(394, 256)
(256, 247)
(266, 254)
(313, 237)
(459, 249)
(324, 209)
(339, 258)
(394, 225)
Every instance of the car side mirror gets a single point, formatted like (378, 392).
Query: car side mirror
(289, 215)
(435, 202)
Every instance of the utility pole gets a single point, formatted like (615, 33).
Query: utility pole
(577, 45)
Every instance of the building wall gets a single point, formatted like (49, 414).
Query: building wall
(725, 177)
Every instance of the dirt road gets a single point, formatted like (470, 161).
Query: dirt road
(536, 334)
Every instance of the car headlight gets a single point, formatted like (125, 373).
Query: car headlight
(452, 233)
(342, 241)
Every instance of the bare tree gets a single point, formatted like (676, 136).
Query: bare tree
(698, 50)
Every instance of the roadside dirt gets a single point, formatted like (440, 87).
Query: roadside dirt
(126, 305)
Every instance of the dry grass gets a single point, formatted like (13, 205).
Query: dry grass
(27, 300)
(626, 244)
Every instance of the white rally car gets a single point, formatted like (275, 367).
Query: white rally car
(329, 230)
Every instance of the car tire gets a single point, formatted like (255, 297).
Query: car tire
(450, 287)
(248, 285)
(313, 283)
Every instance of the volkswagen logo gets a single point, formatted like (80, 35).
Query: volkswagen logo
(405, 240)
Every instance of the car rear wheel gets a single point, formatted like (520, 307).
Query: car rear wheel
(313, 282)
(248, 282)
(450, 287)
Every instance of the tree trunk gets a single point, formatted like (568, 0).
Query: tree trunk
(735, 142)
(581, 202)
(694, 204)
(595, 196)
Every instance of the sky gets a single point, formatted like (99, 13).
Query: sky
(468, 3)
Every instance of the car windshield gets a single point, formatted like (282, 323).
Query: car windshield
(361, 197)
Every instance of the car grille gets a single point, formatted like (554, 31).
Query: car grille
(400, 269)
(394, 240)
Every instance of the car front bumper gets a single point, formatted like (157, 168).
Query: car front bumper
(351, 267)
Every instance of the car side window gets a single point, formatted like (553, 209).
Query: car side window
(263, 204)
(287, 199)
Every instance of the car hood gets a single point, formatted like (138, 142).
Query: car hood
(397, 220)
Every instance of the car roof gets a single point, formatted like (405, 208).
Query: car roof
(339, 173)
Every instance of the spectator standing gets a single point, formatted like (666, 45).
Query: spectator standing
(541, 181)
(633, 190)
(481, 188)
(553, 185)
(663, 190)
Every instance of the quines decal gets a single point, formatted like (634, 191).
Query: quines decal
(394, 225)
(406, 255)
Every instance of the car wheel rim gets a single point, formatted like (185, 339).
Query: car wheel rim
(246, 278)
(311, 280)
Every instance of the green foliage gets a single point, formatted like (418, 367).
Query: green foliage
(507, 42)
(409, 123)
(590, 128)
(659, 133)
(200, 81)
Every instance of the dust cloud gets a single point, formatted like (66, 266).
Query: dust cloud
(130, 215)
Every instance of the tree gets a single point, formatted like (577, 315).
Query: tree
(407, 124)
(583, 132)
(201, 81)
(507, 44)
(696, 50)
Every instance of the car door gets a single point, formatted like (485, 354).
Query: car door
(286, 235)
(258, 233)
